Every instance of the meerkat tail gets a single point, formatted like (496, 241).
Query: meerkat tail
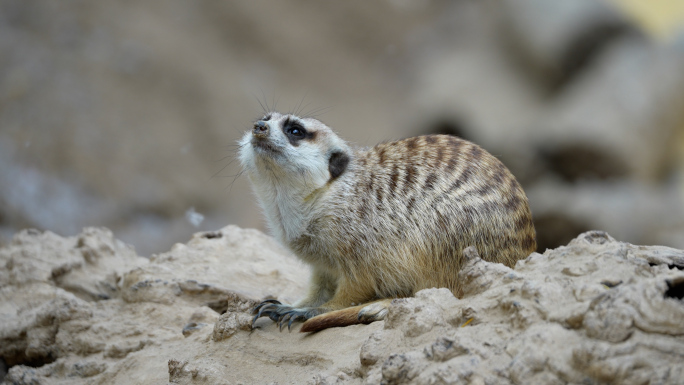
(355, 315)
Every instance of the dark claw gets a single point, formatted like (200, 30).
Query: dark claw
(289, 324)
(264, 303)
(265, 308)
(275, 301)
(262, 312)
(281, 314)
(274, 316)
(266, 313)
(283, 318)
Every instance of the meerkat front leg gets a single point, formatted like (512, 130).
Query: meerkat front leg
(321, 289)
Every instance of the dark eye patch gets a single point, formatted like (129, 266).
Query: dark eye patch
(295, 131)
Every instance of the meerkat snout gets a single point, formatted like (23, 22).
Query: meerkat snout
(260, 129)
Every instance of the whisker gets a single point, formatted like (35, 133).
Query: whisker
(263, 94)
(318, 111)
(235, 177)
(226, 157)
(261, 104)
(275, 102)
(297, 110)
(216, 174)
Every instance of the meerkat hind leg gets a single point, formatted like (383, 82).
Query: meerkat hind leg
(374, 311)
(361, 314)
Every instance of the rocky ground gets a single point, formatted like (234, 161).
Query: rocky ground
(88, 310)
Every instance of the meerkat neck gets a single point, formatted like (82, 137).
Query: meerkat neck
(287, 207)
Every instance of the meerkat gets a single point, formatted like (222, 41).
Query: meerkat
(378, 223)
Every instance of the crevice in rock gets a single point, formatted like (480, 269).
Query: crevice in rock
(611, 284)
(212, 235)
(670, 266)
(576, 161)
(3, 369)
(219, 306)
(33, 362)
(675, 289)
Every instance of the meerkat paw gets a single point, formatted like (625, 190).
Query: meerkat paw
(283, 314)
(375, 311)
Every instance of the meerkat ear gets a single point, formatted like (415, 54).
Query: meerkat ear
(337, 164)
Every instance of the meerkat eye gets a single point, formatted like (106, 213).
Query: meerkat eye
(296, 131)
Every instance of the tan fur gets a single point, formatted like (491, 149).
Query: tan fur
(395, 221)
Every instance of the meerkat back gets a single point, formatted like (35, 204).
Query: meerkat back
(409, 208)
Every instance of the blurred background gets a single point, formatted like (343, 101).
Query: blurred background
(125, 114)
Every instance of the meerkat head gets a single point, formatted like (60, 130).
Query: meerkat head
(283, 148)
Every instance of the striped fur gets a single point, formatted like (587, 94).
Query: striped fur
(396, 220)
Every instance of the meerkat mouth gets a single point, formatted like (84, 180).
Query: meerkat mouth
(265, 147)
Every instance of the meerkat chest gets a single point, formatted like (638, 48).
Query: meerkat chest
(285, 215)
(310, 225)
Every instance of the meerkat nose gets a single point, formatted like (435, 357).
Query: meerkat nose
(260, 129)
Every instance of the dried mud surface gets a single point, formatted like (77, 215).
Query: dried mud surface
(88, 310)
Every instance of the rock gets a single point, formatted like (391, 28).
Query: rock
(230, 323)
(618, 117)
(596, 310)
(444, 349)
(148, 302)
(401, 368)
(647, 306)
(635, 211)
(558, 38)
